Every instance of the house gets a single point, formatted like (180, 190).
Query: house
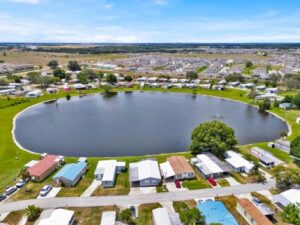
(210, 166)
(181, 167)
(283, 145)
(70, 174)
(52, 90)
(79, 87)
(285, 198)
(161, 216)
(265, 158)
(251, 214)
(46, 166)
(34, 94)
(106, 171)
(59, 217)
(238, 162)
(260, 72)
(144, 173)
(108, 218)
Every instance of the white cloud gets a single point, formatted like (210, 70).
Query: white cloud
(25, 1)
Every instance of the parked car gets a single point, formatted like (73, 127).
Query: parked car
(256, 201)
(177, 183)
(10, 190)
(212, 182)
(2, 197)
(20, 183)
(45, 190)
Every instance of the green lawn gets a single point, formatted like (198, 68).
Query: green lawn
(195, 184)
(13, 158)
(223, 183)
(145, 213)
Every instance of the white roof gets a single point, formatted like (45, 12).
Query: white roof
(291, 196)
(147, 169)
(167, 170)
(58, 217)
(209, 164)
(237, 161)
(161, 217)
(108, 169)
(108, 218)
(31, 163)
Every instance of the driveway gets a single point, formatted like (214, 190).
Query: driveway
(232, 181)
(90, 190)
(52, 193)
(171, 186)
(135, 199)
(142, 190)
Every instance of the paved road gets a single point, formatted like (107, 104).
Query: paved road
(134, 199)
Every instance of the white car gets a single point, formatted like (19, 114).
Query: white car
(45, 190)
(10, 190)
(20, 183)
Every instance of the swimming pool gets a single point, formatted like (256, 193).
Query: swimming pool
(216, 212)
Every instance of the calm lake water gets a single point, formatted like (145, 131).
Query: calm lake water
(136, 123)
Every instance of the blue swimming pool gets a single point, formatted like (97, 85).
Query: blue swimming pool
(216, 212)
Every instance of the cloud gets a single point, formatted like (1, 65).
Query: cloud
(25, 1)
(160, 2)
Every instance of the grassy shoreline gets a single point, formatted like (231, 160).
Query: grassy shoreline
(13, 158)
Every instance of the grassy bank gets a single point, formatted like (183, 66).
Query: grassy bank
(13, 158)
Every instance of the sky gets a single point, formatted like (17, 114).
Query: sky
(150, 21)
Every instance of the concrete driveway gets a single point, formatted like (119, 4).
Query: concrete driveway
(52, 193)
(142, 190)
(90, 190)
(171, 186)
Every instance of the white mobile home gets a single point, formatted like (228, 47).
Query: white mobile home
(108, 218)
(144, 173)
(238, 162)
(285, 198)
(265, 158)
(34, 94)
(106, 171)
(59, 217)
(207, 167)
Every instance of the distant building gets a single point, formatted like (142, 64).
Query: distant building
(285, 198)
(251, 214)
(70, 174)
(59, 217)
(7, 68)
(34, 94)
(144, 173)
(46, 166)
(106, 171)
(265, 158)
(283, 145)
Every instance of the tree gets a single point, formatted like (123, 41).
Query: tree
(33, 77)
(297, 100)
(291, 214)
(256, 175)
(53, 64)
(32, 212)
(46, 81)
(82, 77)
(213, 136)
(252, 94)
(235, 77)
(286, 177)
(91, 74)
(264, 105)
(249, 64)
(128, 78)
(74, 66)
(24, 174)
(288, 99)
(3, 82)
(110, 78)
(295, 147)
(191, 75)
(192, 216)
(126, 216)
(60, 73)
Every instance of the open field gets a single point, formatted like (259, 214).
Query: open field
(42, 58)
(14, 158)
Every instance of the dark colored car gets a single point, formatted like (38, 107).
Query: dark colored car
(177, 183)
(212, 182)
(256, 201)
(2, 197)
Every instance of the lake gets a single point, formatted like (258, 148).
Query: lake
(135, 123)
